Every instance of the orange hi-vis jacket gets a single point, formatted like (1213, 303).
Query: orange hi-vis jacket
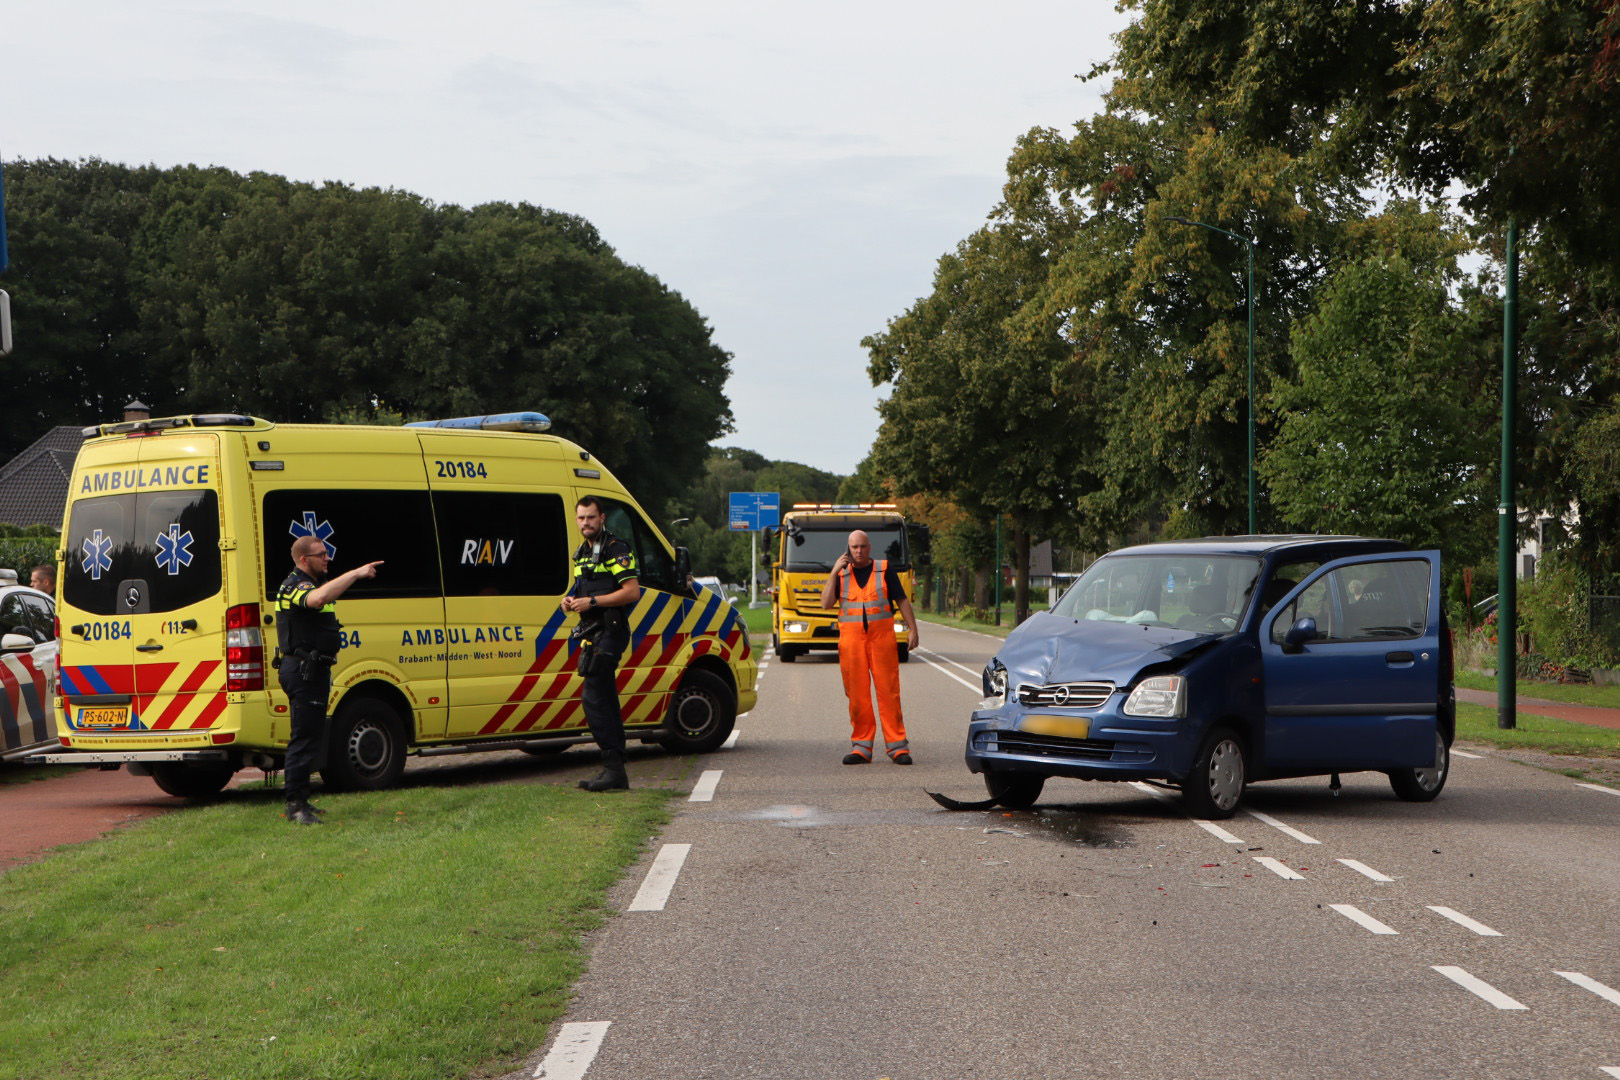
(869, 657)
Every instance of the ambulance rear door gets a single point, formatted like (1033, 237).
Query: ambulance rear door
(504, 521)
(143, 622)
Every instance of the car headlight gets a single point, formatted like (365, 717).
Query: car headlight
(1161, 695)
(995, 685)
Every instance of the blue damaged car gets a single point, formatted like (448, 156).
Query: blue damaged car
(1212, 663)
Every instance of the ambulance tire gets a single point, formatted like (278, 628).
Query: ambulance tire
(365, 748)
(701, 715)
(192, 781)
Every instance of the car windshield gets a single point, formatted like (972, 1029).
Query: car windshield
(1204, 593)
(809, 550)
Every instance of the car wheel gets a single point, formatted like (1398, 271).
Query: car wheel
(192, 781)
(1014, 790)
(701, 715)
(1215, 784)
(366, 747)
(1422, 785)
(905, 653)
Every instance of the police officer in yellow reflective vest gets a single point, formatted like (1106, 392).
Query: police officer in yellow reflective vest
(605, 588)
(309, 636)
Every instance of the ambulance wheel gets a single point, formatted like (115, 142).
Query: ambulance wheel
(1014, 790)
(905, 653)
(365, 750)
(192, 781)
(701, 715)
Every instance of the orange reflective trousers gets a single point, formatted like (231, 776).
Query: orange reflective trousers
(869, 657)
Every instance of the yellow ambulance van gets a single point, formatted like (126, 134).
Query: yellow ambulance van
(178, 531)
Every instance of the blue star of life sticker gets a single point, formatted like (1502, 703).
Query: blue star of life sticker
(97, 555)
(174, 549)
(321, 531)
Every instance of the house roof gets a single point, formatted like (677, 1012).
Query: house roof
(34, 484)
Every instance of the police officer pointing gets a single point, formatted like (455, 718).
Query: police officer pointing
(308, 632)
(605, 587)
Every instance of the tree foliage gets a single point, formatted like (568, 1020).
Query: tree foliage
(202, 289)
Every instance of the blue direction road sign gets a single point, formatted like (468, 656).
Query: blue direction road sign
(755, 510)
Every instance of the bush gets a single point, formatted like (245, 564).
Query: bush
(1555, 610)
(23, 549)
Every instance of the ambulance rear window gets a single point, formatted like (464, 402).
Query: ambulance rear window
(142, 552)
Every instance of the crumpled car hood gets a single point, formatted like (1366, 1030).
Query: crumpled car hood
(1051, 648)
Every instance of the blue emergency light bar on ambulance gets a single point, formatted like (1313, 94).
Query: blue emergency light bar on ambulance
(511, 421)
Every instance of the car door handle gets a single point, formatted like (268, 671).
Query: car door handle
(149, 648)
(1399, 657)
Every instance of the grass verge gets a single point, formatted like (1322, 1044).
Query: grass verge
(22, 774)
(1607, 697)
(970, 624)
(1477, 723)
(427, 932)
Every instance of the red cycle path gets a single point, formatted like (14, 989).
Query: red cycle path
(42, 814)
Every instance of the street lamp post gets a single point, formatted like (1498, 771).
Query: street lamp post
(1251, 243)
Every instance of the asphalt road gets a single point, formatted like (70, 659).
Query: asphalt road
(829, 922)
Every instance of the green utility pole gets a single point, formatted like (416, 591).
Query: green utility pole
(1507, 511)
(1254, 515)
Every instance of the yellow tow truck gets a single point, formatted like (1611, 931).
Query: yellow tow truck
(801, 552)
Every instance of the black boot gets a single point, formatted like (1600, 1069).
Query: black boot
(612, 777)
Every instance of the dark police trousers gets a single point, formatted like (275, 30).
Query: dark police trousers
(307, 685)
(601, 694)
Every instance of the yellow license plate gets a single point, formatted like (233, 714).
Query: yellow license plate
(1064, 727)
(117, 716)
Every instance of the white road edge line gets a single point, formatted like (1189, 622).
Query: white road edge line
(731, 740)
(703, 790)
(660, 879)
(573, 1052)
(1607, 993)
(1275, 824)
(1363, 868)
(1600, 787)
(977, 688)
(1612, 1070)
(948, 660)
(1361, 918)
(1278, 868)
(1463, 753)
(1216, 831)
(1478, 987)
(1462, 920)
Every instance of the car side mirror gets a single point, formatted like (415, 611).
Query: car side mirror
(17, 641)
(1302, 631)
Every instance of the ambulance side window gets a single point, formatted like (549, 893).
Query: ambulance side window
(359, 526)
(502, 543)
(655, 568)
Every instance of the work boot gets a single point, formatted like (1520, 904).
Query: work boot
(902, 758)
(302, 814)
(612, 777)
(853, 758)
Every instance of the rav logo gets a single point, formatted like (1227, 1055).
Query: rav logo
(493, 552)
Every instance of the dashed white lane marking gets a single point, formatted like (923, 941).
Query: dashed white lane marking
(1463, 753)
(1278, 868)
(1216, 831)
(573, 1052)
(1275, 824)
(1363, 868)
(1462, 920)
(1479, 987)
(731, 740)
(977, 688)
(1607, 993)
(1150, 790)
(1612, 1070)
(660, 879)
(1600, 787)
(1361, 918)
(703, 791)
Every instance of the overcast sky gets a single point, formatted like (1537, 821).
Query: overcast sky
(794, 172)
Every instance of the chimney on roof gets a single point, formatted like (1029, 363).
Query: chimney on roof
(137, 410)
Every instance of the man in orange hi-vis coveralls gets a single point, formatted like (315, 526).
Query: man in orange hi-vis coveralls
(866, 592)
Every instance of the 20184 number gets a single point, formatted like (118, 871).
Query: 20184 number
(467, 469)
